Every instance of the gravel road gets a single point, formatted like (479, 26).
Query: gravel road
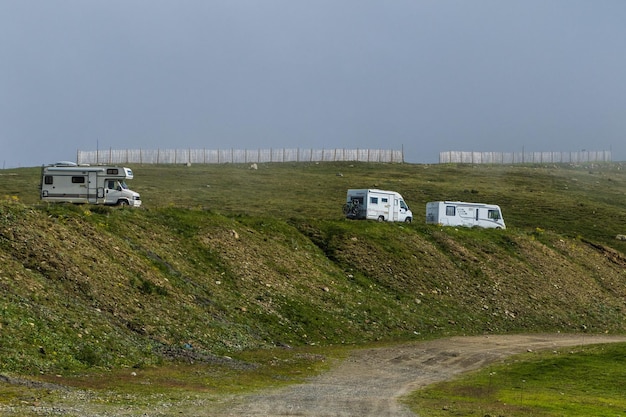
(366, 384)
(370, 381)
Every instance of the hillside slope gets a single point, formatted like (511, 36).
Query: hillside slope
(85, 286)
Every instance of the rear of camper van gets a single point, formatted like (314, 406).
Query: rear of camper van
(373, 204)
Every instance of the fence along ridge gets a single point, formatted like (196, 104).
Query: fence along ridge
(523, 157)
(219, 156)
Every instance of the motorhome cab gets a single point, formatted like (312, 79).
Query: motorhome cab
(71, 183)
(457, 213)
(378, 205)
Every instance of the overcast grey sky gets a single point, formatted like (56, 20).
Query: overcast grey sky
(426, 75)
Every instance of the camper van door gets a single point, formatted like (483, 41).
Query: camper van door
(112, 190)
(388, 207)
(396, 209)
(92, 186)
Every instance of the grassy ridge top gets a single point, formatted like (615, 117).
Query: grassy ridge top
(224, 258)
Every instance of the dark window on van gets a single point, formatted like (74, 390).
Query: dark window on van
(450, 211)
(112, 171)
(78, 180)
(384, 200)
(48, 179)
(494, 214)
(373, 200)
(359, 200)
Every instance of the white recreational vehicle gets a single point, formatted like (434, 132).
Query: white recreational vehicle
(71, 183)
(378, 205)
(458, 213)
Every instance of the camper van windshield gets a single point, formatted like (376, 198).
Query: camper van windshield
(123, 185)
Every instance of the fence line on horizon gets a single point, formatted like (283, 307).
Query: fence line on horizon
(223, 156)
(523, 157)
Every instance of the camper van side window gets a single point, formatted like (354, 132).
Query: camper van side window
(78, 180)
(48, 179)
(494, 214)
(384, 200)
(112, 171)
(450, 211)
(373, 200)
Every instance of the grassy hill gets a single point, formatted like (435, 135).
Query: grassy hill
(223, 259)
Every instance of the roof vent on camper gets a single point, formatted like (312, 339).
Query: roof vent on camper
(65, 164)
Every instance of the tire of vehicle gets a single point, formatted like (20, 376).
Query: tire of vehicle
(381, 218)
(123, 203)
(408, 220)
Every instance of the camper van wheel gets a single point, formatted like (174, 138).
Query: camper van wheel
(381, 218)
(408, 220)
(123, 203)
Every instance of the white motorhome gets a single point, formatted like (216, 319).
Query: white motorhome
(458, 213)
(71, 183)
(378, 205)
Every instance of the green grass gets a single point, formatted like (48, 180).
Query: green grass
(575, 382)
(584, 200)
(239, 262)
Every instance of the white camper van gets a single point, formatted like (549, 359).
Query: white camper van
(458, 213)
(378, 205)
(71, 183)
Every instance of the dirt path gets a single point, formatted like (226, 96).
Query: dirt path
(367, 384)
(371, 380)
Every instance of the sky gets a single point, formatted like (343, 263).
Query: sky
(425, 76)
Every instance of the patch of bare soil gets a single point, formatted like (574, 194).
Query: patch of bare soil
(370, 381)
